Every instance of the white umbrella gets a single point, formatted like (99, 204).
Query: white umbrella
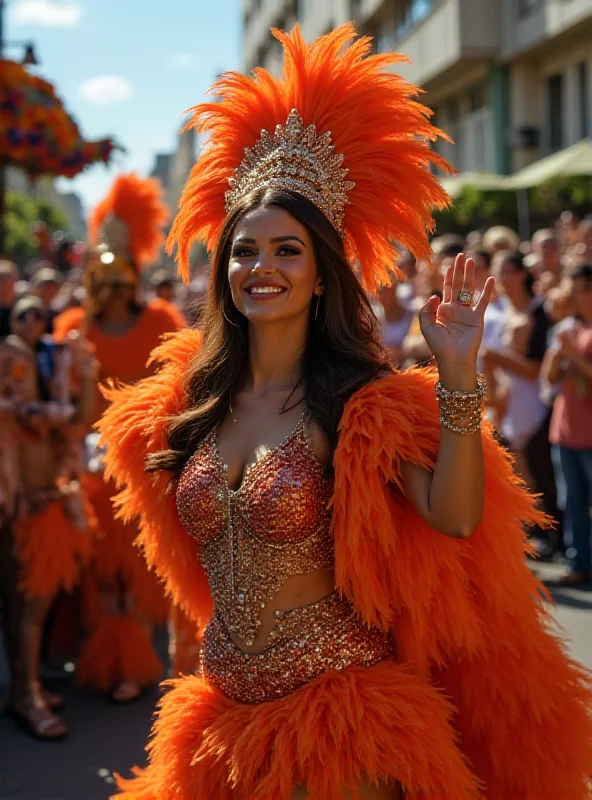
(486, 181)
(574, 160)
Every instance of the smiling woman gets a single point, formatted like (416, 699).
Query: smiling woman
(372, 628)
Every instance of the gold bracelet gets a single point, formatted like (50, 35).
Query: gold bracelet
(461, 412)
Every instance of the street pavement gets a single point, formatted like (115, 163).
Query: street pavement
(106, 738)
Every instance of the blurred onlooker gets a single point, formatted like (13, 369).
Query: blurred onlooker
(558, 301)
(397, 321)
(525, 419)
(46, 284)
(499, 238)
(194, 300)
(585, 238)
(545, 246)
(569, 363)
(8, 278)
(163, 285)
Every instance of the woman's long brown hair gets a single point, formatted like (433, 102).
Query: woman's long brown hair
(343, 352)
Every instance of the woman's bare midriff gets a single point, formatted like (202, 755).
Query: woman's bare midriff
(38, 464)
(297, 591)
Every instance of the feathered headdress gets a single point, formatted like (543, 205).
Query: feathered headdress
(337, 128)
(129, 220)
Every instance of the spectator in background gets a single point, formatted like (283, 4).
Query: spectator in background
(526, 418)
(545, 247)
(585, 239)
(500, 238)
(398, 317)
(8, 278)
(163, 285)
(46, 284)
(569, 363)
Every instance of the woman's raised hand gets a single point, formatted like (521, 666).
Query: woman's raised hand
(453, 326)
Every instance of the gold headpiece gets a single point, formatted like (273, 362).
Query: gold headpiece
(353, 111)
(295, 158)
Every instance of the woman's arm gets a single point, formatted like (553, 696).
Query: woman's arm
(512, 362)
(552, 369)
(451, 498)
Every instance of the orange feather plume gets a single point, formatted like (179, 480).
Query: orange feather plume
(139, 203)
(375, 122)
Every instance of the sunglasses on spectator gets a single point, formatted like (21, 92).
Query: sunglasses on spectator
(33, 313)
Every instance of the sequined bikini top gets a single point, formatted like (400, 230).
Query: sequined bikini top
(276, 524)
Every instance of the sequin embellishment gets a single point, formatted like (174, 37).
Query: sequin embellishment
(276, 524)
(251, 540)
(327, 635)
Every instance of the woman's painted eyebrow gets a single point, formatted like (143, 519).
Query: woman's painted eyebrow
(246, 240)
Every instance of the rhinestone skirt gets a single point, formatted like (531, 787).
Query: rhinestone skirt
(308, 641)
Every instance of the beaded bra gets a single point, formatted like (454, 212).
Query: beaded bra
(275, 525)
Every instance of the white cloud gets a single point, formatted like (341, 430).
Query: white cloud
(182, 60)
(106, 89)
(48, 13)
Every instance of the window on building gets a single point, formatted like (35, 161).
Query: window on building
(526, 7)
(584, 109)
(384, 39)
(555, 111)
(411, 13)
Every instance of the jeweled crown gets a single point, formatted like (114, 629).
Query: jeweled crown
(295, 158)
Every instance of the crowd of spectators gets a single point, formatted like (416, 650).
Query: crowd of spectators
(537, 357)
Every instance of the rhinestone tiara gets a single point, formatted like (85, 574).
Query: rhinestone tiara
(295, 158)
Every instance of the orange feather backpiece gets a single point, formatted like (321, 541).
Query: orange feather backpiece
(476, 646)
(139, 203)
(375, 122)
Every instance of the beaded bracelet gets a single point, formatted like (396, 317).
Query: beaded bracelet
(460, 411)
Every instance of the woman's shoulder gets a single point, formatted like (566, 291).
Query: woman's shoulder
(398, 405)
(398, 387)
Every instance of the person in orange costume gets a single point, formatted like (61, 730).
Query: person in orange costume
(45, 527)
(121, 597)
(353, 533)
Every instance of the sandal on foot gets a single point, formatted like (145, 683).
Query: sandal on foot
(125, 692)
(53, 701)
(40, 723)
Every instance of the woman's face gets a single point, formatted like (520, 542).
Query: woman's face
(272, 269)
(509, 277)
(29, 324)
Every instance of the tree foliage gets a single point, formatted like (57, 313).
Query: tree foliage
(22, 212)
(475, 208)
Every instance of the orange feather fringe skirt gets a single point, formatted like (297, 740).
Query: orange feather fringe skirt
(119, 645)
(117, 560)
(51, 551)
(381, 723)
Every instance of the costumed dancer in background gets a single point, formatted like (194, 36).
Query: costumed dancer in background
(122, 599)
(44, 536)
(375, 629)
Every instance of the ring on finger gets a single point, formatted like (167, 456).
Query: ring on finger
(465, 298)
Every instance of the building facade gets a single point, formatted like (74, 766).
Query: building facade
(508, 80)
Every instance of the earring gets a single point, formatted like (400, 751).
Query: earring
(227, 319)
(318, 304)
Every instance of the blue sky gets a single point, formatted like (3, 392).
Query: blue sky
(128, 68)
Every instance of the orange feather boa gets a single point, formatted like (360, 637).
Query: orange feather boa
(468, 616)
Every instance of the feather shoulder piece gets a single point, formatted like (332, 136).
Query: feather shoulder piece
(134, 426)
(467, 613)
